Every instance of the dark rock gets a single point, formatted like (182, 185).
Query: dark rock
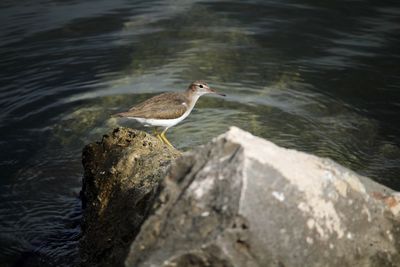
(243, 201)
(121, 180)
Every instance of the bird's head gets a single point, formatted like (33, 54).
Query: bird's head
(201, 88)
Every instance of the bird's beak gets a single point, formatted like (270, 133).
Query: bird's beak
(215, 92)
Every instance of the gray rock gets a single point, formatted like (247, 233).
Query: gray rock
(243, 201)
(121, 181)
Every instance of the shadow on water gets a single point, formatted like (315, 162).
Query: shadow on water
(320, 77)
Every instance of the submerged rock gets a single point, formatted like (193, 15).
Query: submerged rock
(121, 180)
(243, 201)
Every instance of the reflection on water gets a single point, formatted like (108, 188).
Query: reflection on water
(320, 77)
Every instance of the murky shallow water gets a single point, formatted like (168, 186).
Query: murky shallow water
(322, 78)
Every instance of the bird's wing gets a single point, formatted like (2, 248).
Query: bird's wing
(164, 106)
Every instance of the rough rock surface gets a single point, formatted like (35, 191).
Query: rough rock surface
(121, 180)
(243, 201)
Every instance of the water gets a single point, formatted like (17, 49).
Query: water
(317, 77)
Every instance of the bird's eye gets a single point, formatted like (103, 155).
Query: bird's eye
(201, 86)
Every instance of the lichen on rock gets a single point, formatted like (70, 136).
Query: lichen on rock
(121, 179)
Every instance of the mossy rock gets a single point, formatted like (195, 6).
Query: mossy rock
(121, 179)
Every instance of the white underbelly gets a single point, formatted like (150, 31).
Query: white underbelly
(165, 122)
(160, 122)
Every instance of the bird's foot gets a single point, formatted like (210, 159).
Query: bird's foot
(162, 138)
(165, 140)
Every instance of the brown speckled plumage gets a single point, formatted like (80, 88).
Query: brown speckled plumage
(168, 109)
(163, 106)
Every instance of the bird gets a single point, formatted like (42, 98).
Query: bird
(168, 109)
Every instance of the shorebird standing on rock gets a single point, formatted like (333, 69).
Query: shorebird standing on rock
(168, 109)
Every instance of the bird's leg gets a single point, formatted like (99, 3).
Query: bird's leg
(157, 134)
(165, 138)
